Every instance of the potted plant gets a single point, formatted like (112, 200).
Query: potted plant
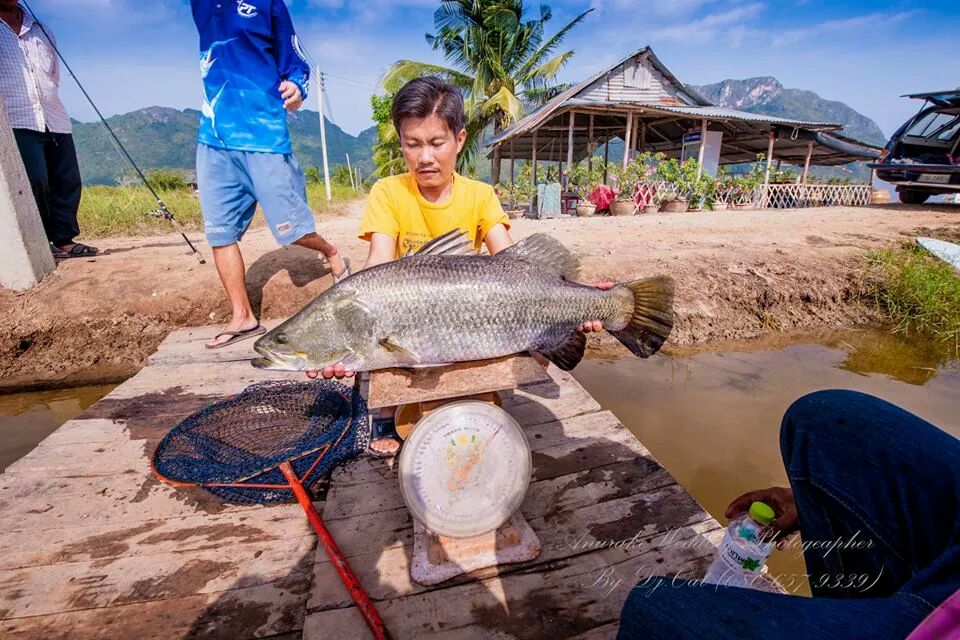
(675, 203)
(582, 181)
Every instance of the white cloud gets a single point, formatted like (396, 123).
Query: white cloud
(730, 26)
(855, 24)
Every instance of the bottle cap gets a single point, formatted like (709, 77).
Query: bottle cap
(762, 513)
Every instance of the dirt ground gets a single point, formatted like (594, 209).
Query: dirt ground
(740, 274)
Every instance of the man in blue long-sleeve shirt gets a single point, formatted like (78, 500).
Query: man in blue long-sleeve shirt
(253, 72)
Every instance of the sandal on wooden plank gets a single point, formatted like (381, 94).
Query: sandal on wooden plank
(381, 430)
(237, 336)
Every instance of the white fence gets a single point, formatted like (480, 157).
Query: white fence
(797, 196)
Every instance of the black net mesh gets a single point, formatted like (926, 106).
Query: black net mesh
(242, 441)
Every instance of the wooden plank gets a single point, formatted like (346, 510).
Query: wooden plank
(637, 520)
(50, 589)
(237, 614)
(393, 387)
(54, 503)
(569, 597)
(29, 547)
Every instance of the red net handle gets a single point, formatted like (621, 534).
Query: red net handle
(336, 556)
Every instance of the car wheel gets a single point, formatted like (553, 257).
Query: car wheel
(913, 196)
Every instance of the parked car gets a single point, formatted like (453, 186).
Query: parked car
(923, 156)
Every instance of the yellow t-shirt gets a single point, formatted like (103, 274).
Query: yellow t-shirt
(396, 208)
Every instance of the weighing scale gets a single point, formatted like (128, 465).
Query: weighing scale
(465, 464)
(463, 472)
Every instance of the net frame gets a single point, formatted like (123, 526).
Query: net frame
(234, 448)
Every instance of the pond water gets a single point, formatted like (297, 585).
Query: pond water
(713, 418)
(28, 418)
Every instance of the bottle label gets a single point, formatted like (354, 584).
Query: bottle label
(737, 559)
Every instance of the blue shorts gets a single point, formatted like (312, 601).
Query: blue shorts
(231, 184)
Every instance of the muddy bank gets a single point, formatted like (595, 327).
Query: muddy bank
(739, 275)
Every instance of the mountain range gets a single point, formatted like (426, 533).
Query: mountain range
(165, 138)
(161, 137)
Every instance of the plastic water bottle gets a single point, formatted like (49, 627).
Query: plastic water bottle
(744, 549)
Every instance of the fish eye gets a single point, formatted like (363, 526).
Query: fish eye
(281, 338)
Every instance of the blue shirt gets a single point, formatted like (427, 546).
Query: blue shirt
(247, 48)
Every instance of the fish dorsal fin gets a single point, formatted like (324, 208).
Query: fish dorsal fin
(452, 243)
(547, 251)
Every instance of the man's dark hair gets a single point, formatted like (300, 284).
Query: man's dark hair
(423, 97)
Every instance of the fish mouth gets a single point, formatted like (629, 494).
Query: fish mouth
(278, 361)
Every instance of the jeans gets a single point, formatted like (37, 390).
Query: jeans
(860, 468)
(51, 163)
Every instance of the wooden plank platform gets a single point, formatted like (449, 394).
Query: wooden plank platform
(95, 547)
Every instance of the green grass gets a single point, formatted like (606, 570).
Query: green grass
(126, 211)
(918, 292)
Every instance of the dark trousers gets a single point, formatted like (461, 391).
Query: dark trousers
(861, 469)
(51, 163)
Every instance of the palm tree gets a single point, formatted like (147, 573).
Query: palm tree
(501, 62)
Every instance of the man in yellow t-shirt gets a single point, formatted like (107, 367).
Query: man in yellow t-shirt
(406, 211)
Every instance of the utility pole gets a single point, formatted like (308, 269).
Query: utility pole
(353, 184)
(323, 135)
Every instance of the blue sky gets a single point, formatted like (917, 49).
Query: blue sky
(137, 53)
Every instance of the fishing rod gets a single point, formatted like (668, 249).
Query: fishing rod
(162, 207)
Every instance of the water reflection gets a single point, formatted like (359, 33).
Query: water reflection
(28, 418)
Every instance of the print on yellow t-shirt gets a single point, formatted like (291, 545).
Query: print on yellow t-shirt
(396, 208)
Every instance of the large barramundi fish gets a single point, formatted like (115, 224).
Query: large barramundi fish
(440, 306)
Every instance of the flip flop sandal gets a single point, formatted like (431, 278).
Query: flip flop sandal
(237, 336)
(383, 429)
(343, 275)
(78, 250)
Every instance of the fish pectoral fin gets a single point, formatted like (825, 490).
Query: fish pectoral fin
(455, 242)
(547, 251)
(568, 355)
(390, 344)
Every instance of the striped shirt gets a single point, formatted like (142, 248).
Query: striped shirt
(30, 79)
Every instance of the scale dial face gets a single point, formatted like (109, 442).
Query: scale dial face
(465, 469)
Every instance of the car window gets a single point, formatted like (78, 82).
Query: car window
(950, 131)
(929, 124)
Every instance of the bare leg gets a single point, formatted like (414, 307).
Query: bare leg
(230, 266)
(316, 242)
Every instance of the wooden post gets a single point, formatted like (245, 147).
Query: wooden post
(534, 160)
(590, 145)
(643, 134)
(806, 163)
(703, 145)
(626, 140)
(512, 160)
(573, 120)
(606, 159)
(26, 257)
(633, 134)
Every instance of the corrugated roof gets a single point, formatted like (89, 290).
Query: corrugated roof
(723, 113)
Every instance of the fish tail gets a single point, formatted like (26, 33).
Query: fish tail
(651, 321)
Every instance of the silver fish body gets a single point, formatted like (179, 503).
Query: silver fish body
(431, 309)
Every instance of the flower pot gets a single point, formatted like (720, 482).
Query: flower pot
(676, 206)
(586, 209)
(719, 206)
(513, 214)
(622, 207)
(651, 208)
